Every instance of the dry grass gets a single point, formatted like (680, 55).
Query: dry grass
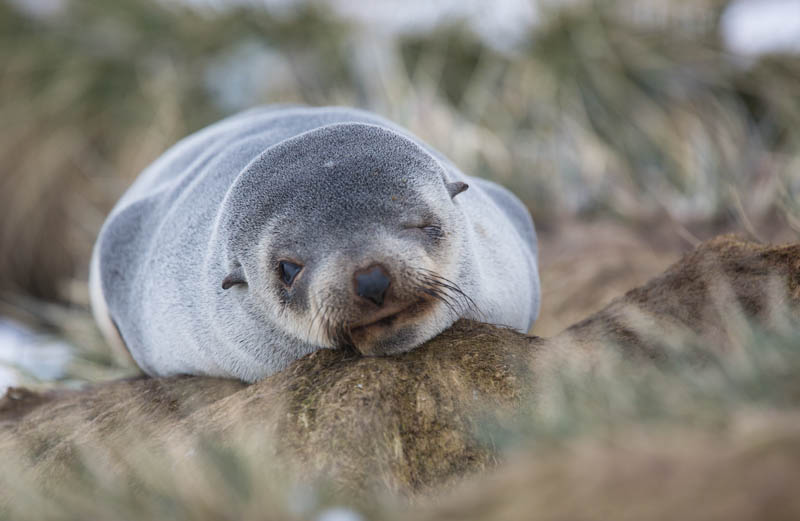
(591, 115)
(622, 404)
(749, 471)
(653, 127)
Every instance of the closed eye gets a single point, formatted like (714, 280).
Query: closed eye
(421, 226)
(431, 230)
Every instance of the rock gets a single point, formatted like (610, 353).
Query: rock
(410, 425)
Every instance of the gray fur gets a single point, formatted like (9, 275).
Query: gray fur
(334, 189)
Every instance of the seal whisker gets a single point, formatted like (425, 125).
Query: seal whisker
(472, 306)
(444, 295)
(448, 295)
(469, 304)
(439, 296)
(337, 330)
(321, 307)
(330, 330)
(332, 320)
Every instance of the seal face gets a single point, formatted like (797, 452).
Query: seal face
(280, 231)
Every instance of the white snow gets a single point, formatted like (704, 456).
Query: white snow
(24, 352)
(749, 27)
(754, 27)
(339, 514)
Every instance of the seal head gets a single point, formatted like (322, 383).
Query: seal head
(354, 243)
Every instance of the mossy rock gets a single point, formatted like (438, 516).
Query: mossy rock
(412, 425)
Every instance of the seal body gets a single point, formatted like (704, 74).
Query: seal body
(283, 230)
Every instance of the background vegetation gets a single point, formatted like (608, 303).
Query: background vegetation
(628, 111)
(602, 108)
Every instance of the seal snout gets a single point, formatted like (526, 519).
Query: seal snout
(371, 283)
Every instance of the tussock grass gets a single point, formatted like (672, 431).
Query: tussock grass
(684, 388)
(594, 113)
(656, 407)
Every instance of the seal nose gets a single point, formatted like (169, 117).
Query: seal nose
(372, 284)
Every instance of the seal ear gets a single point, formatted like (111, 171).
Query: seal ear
(234, 277)
(456, 188)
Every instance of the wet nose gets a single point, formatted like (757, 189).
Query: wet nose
(372, 283)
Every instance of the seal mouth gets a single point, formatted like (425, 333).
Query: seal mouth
(385, 318)
(366, 333)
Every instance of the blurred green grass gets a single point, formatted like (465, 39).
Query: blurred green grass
(593, 114)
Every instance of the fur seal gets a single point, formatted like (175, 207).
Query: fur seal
(283, 230)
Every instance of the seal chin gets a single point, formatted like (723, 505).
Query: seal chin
(386, 331)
